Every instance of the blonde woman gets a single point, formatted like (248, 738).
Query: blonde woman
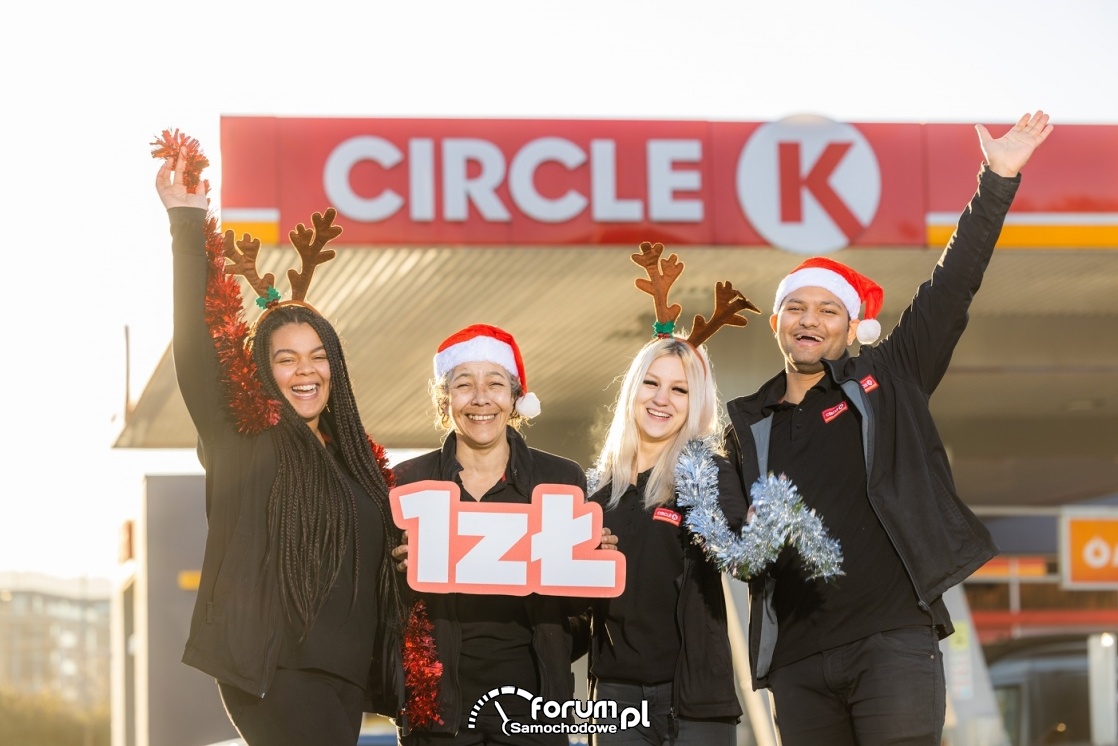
(663, 643)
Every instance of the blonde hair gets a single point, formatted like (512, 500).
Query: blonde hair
(617, 461)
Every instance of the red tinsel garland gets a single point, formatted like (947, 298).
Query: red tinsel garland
(177, 144)
(381, 457)
(422, 670)
(224, 312)
(251, 408)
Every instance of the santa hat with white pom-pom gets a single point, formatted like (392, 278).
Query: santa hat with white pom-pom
(852, 288)
(484, 343)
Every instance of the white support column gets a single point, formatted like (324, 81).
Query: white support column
(756, 702)
(1102, 678)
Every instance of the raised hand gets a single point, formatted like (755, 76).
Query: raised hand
(172, 190)
(1008, 154)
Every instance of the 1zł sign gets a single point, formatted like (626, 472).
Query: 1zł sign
(548, 546)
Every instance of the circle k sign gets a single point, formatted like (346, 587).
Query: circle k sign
(808, 184)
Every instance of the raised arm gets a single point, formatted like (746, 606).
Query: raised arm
(196, 365)
(921, 345)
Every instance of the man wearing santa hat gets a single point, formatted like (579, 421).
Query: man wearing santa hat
(857, 661)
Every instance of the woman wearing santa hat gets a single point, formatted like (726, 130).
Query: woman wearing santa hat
(482, 642)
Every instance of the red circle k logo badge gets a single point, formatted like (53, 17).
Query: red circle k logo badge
(808, 184)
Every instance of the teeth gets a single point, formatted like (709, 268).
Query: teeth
(306, 388)
(481, 417)
(659, 415)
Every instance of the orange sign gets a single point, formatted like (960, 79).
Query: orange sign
(1089, 551)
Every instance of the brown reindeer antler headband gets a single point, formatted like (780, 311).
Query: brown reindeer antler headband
(246, 399)
(662, 273)
(309, 243)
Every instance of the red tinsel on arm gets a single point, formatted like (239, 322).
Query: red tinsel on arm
(422, 669)
(381, 457)
(177, 144)
(251, 408)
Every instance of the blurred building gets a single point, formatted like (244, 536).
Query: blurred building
(156, 699)
(54, 636)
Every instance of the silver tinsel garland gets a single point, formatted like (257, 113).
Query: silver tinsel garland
(593, 476)
(781, 518)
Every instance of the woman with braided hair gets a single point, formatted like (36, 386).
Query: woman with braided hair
(298, 611)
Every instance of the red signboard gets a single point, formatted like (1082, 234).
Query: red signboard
(805, 183)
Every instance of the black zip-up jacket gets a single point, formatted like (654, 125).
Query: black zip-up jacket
(236, 630)
(910, 487)
(703, 686)
(547, 615)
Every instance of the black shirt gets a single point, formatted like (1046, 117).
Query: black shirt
(818, 444)
(642, 638)
(342, 639)
(496, 633)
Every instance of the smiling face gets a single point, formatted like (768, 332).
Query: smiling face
(301, 370)
(813, 325)
(480, 402)
(661, 403)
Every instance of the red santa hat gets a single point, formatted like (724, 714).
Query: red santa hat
(484, 343)
(852, 288)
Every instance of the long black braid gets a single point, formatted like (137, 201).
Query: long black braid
(312, 513)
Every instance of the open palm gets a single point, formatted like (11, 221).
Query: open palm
(1008, 154)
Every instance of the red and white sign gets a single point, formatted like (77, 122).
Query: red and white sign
(808, 184)
(667, 515)
(832, 412)
(549, 546)
(805, 184)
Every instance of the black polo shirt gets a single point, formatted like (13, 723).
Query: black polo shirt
(641, 639)
(818, 444)
(496, 634)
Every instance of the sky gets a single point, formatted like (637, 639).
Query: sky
(87, 88)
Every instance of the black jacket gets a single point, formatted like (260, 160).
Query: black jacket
(704, 684)
(237, 628)
(910, 487)
(548, 615)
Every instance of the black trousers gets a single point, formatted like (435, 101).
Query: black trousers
(302, 708)
(887, 688)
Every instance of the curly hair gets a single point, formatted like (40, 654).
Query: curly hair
(439, 390)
